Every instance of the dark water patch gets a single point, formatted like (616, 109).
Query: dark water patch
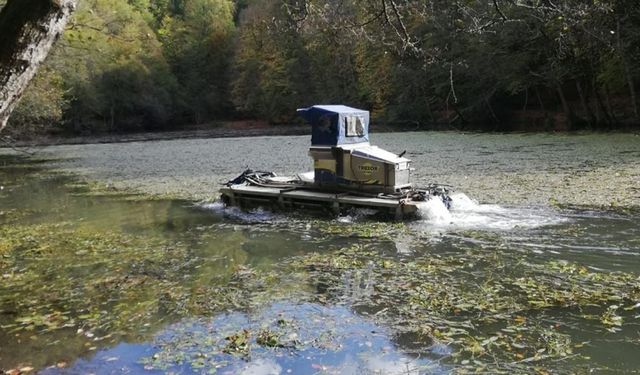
(613, 211)
(629, 152)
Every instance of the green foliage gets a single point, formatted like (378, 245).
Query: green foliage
(197, 42)
(114, 69)
(134, 64)
(271, 66)
(43, 104)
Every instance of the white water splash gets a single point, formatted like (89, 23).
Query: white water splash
(216, 206)
(435, 212)
(466, 213)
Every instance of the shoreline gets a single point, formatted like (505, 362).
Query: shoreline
(217, 132)
(232, 130)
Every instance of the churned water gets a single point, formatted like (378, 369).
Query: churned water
(466, 213)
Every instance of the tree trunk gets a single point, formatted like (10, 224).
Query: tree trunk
(112, 118)
(607, 98)
(601, 105)
(491, 111)
(28, 29)
(540, 100)
(429, 111)
(565, 107)
(627, 73)
(598, 108)
(584, 101)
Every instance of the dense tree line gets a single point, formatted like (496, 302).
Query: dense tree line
(494, 64)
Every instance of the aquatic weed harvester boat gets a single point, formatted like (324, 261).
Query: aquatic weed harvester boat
(348, 173)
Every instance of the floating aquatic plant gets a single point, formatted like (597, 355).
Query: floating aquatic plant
(484, 305)
(471, 303)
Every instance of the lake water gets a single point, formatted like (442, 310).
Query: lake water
(97, 281)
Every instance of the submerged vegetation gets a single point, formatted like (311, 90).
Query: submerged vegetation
(491, 306)
(205, 294)
(496, 311)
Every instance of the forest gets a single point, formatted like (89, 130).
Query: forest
(492, 65)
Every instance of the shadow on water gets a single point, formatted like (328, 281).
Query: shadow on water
(94, 281)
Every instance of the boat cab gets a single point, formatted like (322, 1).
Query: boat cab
(344, 159)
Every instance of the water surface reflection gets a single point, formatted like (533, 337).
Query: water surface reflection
(108, 283)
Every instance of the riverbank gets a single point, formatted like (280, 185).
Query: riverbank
(238, 129)
(222, 130)
(229, 129)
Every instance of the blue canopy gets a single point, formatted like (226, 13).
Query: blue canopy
(334, 125)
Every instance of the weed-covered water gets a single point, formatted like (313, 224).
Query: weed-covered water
(595, 170)
(96, 281)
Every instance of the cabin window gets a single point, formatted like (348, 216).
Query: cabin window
(354, 126)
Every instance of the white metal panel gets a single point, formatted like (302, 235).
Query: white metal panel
(378, 154)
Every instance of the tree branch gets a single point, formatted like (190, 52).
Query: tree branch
(495, 4)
